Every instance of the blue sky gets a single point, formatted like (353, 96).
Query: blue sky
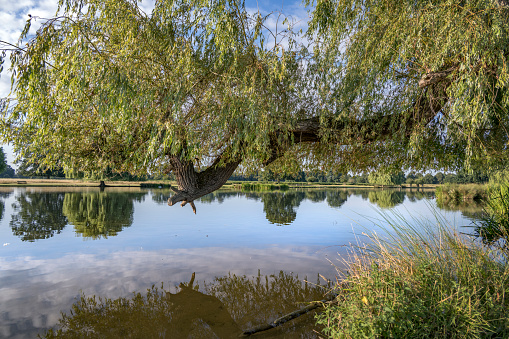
(14, 13)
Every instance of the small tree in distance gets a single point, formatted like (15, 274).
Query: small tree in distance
(386, 179)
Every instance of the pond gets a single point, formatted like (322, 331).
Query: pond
(243, 260)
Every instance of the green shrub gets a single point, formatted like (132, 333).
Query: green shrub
(263, 187)
(247, 186)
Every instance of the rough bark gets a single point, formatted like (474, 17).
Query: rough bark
(193, 185)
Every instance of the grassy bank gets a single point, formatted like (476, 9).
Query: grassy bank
(81, 183)
(466, 192)
(430, 282)
(253, 185)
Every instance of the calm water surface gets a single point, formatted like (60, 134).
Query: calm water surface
(251, 255)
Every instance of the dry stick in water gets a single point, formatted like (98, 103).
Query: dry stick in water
(288, 317)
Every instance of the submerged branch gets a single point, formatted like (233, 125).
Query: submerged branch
(287, 317)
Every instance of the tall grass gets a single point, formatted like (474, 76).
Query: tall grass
(424, 281)
(493, 228)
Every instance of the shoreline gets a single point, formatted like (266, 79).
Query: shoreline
(21, 182)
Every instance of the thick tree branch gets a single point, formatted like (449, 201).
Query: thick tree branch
(193, 185)
(423, 112)
(431, 78)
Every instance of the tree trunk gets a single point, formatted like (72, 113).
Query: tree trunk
(193, 185)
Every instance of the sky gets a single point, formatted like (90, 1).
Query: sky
(14, 14)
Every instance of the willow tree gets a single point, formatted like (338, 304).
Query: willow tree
(203, 87)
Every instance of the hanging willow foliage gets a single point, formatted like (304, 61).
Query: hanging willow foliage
(203, 87)
(388, 60)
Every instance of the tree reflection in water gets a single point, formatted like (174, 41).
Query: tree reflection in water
(470, 209)
(414, 195)
(38, 215)
(219, 197)
(316, 195)
(279, 207)
(4, 194)
(161, 196)
(386, 198)
(100, 214)
(228, 306)
(336, 198)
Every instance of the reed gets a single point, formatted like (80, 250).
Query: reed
(493, 227)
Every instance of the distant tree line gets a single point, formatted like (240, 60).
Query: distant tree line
(28, 168)
(374, 178)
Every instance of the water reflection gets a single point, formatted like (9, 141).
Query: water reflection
(223, 308)
(336, 198)
(42, 214)
(279, 207)
(386, 198)
(95, 214)
(165, 244)
(471, 209)
(160, 196)
(415, 195)
(316, 195)
(100, 214)
(37, 216)
(220, 197)
(4, 194)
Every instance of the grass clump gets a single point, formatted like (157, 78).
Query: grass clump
(493, 228)
(421, 282)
